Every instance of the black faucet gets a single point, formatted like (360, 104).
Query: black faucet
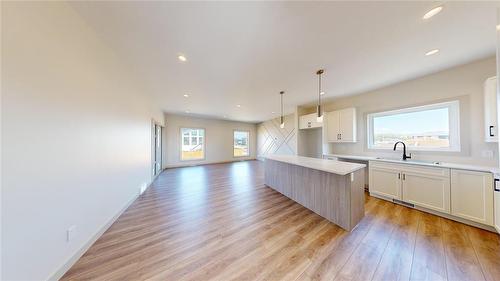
(404, 150)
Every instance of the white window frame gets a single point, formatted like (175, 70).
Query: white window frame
(248, 144)
(453, 119)
(190, 136)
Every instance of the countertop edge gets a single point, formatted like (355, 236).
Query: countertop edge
(458, 166)
(355, 166)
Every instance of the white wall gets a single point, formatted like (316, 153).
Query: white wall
(464, 83)
(218, 139)
(76, 136)
(272, 139)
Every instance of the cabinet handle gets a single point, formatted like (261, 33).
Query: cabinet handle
(491, 133)
(399, 176)
(340, 136)
(404, 176)
(495, 184)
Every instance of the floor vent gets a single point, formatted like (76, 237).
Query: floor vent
(403, 203)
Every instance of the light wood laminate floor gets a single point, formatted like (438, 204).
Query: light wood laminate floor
(220, 222)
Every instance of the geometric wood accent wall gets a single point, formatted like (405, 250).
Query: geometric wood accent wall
(271, 139)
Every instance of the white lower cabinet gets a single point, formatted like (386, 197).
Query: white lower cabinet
(384, 180)
(427, 187)
(497, 209)
(463, 194)
(472, 196)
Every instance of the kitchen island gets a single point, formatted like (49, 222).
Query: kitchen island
(332, 189)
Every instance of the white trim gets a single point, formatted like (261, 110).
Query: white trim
(58, 274)
(182, 143)
(248, 144)
(437, 213)
(153, 147)
(183, 165)
(453, 119)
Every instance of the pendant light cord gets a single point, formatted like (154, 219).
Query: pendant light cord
(281, 101)
(319, 73)
(319, 87)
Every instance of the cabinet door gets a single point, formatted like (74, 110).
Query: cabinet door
(472, 196)
(497, 209)
(385, 182)
(347, 125)
(304, 122)
(309, 121)
(332, 127)
(490, 110)
(427, 187)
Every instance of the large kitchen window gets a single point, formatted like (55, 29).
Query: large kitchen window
(433, 127)
(192, 144)
(241, 143)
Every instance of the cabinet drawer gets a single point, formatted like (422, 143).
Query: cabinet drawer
(428, 171)
(309, 121)
(414, 169)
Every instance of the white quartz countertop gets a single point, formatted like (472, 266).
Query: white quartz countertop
(330, 166)
(494, 170)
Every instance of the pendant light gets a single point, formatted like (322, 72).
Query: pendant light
(319, 117)
(282, 119)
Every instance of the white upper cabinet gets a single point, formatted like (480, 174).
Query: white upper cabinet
(333, 125)
(341, 125)
(472, 196)
(490, 110)
(309, 121)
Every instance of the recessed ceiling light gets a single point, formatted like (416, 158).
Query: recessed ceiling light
(432, 12)
(322, 93)
(186, 95)
(432, 52)
(182, 58)
(273, 112)
(187, 111)
(224, 116)
(498, 26)
(238, 105)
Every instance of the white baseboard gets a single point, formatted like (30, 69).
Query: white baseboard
(188, 164)
(448, 216)
(66, 266)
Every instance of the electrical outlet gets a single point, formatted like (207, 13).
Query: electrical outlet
(487, 154)
(70, 233)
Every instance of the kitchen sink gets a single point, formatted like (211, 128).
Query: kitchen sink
(410, 161)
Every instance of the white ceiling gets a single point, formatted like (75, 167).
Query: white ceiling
(246, 52)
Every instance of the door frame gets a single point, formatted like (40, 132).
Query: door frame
(154, 125)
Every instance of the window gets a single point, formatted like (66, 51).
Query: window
(193, 144)
(432, 127)
(241, 143)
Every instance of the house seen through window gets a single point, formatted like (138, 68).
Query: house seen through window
(433, 127)
(241, 143)
(193, 144)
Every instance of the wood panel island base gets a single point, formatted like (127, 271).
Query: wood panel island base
(332, 189)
